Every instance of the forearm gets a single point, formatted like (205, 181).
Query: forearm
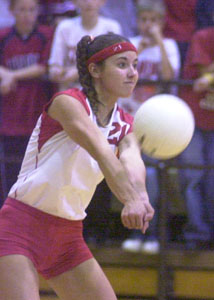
(71, 74)
(118, 179)
(3, 71)
(128, 185)
(30, 72)
(55, 72)
(131, 159)
(63, 75)
(132, 162)
(136, 171)
(167, 72)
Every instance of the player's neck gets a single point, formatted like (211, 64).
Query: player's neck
(105, 97)
(104, 115)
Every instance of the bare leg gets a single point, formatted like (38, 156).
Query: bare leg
(85, 282)
(18, 278)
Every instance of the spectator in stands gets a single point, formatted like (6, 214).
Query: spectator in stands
(204, 13)
(51, 12)
(180, 23)
(122, 11)
(62, 64)
(158, 58)
(197, 184)
(25, 50)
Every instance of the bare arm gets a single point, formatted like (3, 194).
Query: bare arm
(130, 157)
(167, 72)
(75, 121)
(33, 71)
(156, 38)
(10, 77)
(63, 75)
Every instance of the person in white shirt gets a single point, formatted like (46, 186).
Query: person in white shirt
(122, 11)
(158, 58)
(62, 62)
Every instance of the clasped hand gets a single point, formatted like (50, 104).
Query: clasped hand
(137, 214)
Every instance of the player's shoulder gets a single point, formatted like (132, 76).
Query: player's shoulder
(77, 94)
(74, 92)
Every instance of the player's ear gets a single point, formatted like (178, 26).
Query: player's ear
(94, 70)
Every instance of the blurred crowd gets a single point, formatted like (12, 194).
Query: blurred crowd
(175, 42)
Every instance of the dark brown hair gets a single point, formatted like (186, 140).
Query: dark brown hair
(85, 49)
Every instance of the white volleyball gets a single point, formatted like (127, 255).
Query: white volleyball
(164, 125)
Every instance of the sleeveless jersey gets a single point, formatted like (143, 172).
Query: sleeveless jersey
(57, 175)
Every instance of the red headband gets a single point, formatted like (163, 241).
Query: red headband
(111, 50)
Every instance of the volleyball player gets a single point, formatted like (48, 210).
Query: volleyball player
(81, 136)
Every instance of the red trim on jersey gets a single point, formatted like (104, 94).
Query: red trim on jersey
(50, 127)
(125, 129)
(127, 118)
(75, 93)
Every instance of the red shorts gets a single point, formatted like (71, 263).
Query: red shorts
(53, 244)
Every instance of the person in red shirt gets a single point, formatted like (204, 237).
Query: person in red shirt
(24, 88)
(180, 22)
(198, 184)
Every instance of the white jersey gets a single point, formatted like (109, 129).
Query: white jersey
(68, 33)
(149, 67)
(57, 175)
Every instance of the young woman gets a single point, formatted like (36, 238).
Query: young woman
(80, 137)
